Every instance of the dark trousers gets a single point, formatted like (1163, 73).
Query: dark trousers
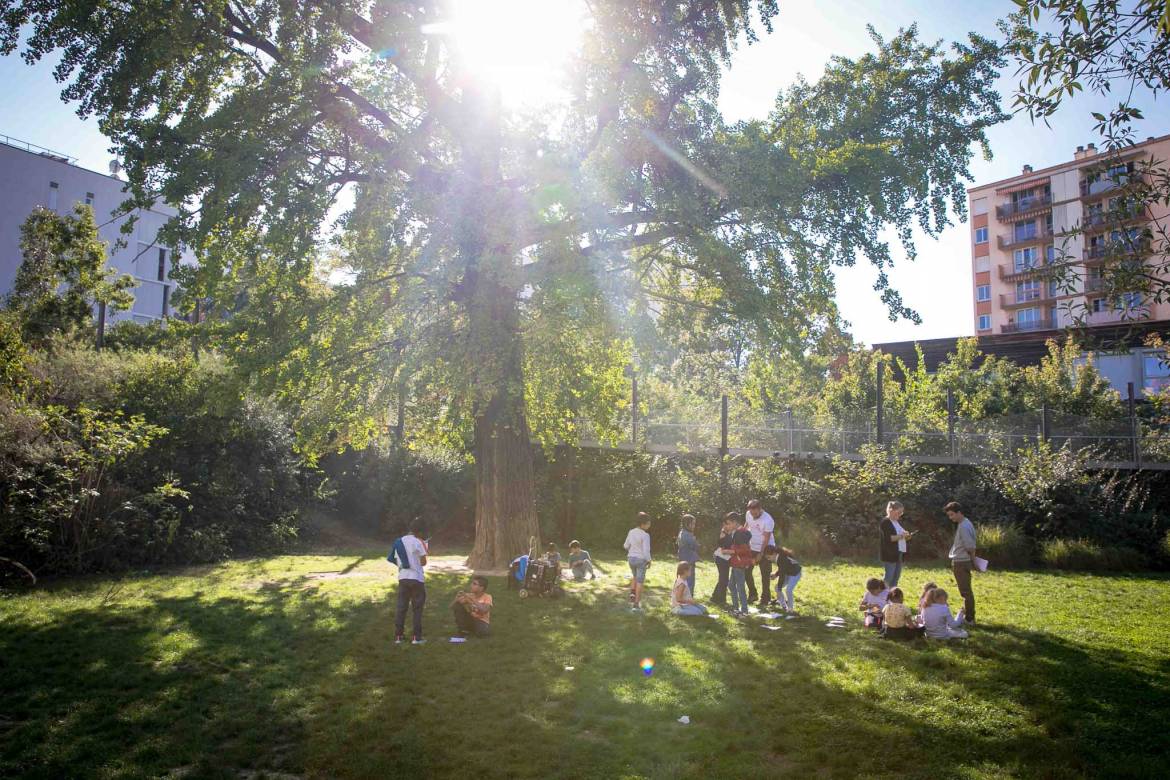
(766, 577)
(962, 570)
(412, 594)
(720, 595)
(466, 624)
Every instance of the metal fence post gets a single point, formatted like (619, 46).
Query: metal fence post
(1044, 423)
(1135, 441)
(881, 372)
(634, 411)
(788, 425)
(723, 448)
(951, 424)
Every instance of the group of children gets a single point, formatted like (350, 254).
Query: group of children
(885, 611)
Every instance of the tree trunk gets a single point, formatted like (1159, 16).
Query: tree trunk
(505, 496)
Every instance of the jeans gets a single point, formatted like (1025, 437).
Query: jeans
(724, 567)
(765, 576)
(466, 624)
(412, 594)
(739, 596)
(962, 570)
(691, 577)
(893, 571)
(785, 595)
(690, 610)
(638, 569)
(582, 568)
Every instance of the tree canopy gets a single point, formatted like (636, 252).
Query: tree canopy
(491, 264)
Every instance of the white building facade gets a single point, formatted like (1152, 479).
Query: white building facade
(31, 176)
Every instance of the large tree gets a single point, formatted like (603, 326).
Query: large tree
(498, 260)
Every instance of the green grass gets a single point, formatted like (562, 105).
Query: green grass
(259, 667)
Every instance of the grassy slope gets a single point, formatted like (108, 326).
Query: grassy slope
(257, 665)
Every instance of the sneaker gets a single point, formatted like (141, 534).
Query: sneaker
(399, 639)
(418, 640)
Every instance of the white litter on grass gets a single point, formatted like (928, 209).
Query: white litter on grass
(458, 640)
(570, 668)
(768, 615)
(790, 617)
(771, 628)
(834, 625)
(712, 616)
(685, 719)
(837, 618)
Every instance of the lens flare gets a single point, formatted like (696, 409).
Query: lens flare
(647, 666)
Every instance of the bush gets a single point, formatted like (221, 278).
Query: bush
(807, 541)
(1084, 555)
(1005, 546)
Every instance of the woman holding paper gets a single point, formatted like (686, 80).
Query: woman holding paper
(893, 542)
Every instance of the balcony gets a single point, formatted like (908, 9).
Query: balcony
(1091, 189)
(1094, 284)
(1011, 211)
(1047, 323)
(1037, 236)
(1096, 253)
(1016, 300)
(1009, 272)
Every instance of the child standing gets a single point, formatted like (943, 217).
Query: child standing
(681, 601)
(723, 559)
(787, 575)
(637, 546)
(580, 562)
(896, 620)
(742, 559)
(874, 600)
(411, 554)
(937, 618)
(688, 547)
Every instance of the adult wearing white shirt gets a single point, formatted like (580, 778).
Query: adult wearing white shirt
(637, 546)
(412, 589)
(893, 541)
(763, 531)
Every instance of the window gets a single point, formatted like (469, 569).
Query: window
(1129, 301)
(1024, 230)
(1053, 288)
(1027, 291)
(54, 190)
(1025, 258)
(89, 198)
(984, 322)
(981, 235)
(1097, 305)
(162, 265)
(1155, 372)
(1050, 253)
(983, 292)
(1029, 317)
(166, 298)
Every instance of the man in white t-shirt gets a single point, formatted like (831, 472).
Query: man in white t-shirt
(412, 589)
(763, 528)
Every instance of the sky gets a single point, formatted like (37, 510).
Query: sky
(937, 285)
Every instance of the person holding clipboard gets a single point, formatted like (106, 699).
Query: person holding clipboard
(893, 541)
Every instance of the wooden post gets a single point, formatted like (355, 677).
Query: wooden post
(951, 424)
(101, 325)
(881, 372)
(723, 448)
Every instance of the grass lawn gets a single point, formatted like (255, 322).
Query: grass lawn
(272, 668)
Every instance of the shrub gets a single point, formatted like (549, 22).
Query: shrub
(1084, 555)
(1005, 546)
(806, 540)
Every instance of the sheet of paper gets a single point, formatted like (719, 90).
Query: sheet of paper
(458, 640)
(771, 628)
(980, 563)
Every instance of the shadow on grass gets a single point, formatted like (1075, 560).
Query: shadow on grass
(287, 680)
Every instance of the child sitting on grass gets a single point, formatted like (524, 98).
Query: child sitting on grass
(473, 611)
(874, 600)
(787, 575)
(552, 555)
(681, 601)
(579, 562)
(922, 599)
(896, 620)
(937, 618)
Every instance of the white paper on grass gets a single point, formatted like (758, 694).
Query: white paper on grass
(980, 563)
(771, 628)
(458, 640)
(569, 668)
(769, 615)
(685, 719)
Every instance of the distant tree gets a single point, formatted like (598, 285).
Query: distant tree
(63, 275)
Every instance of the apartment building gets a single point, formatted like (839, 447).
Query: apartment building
(32, 176)
(1070, 218)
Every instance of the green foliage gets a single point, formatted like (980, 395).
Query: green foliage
(1005, 544)
(1085, 555)
(63, 275)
